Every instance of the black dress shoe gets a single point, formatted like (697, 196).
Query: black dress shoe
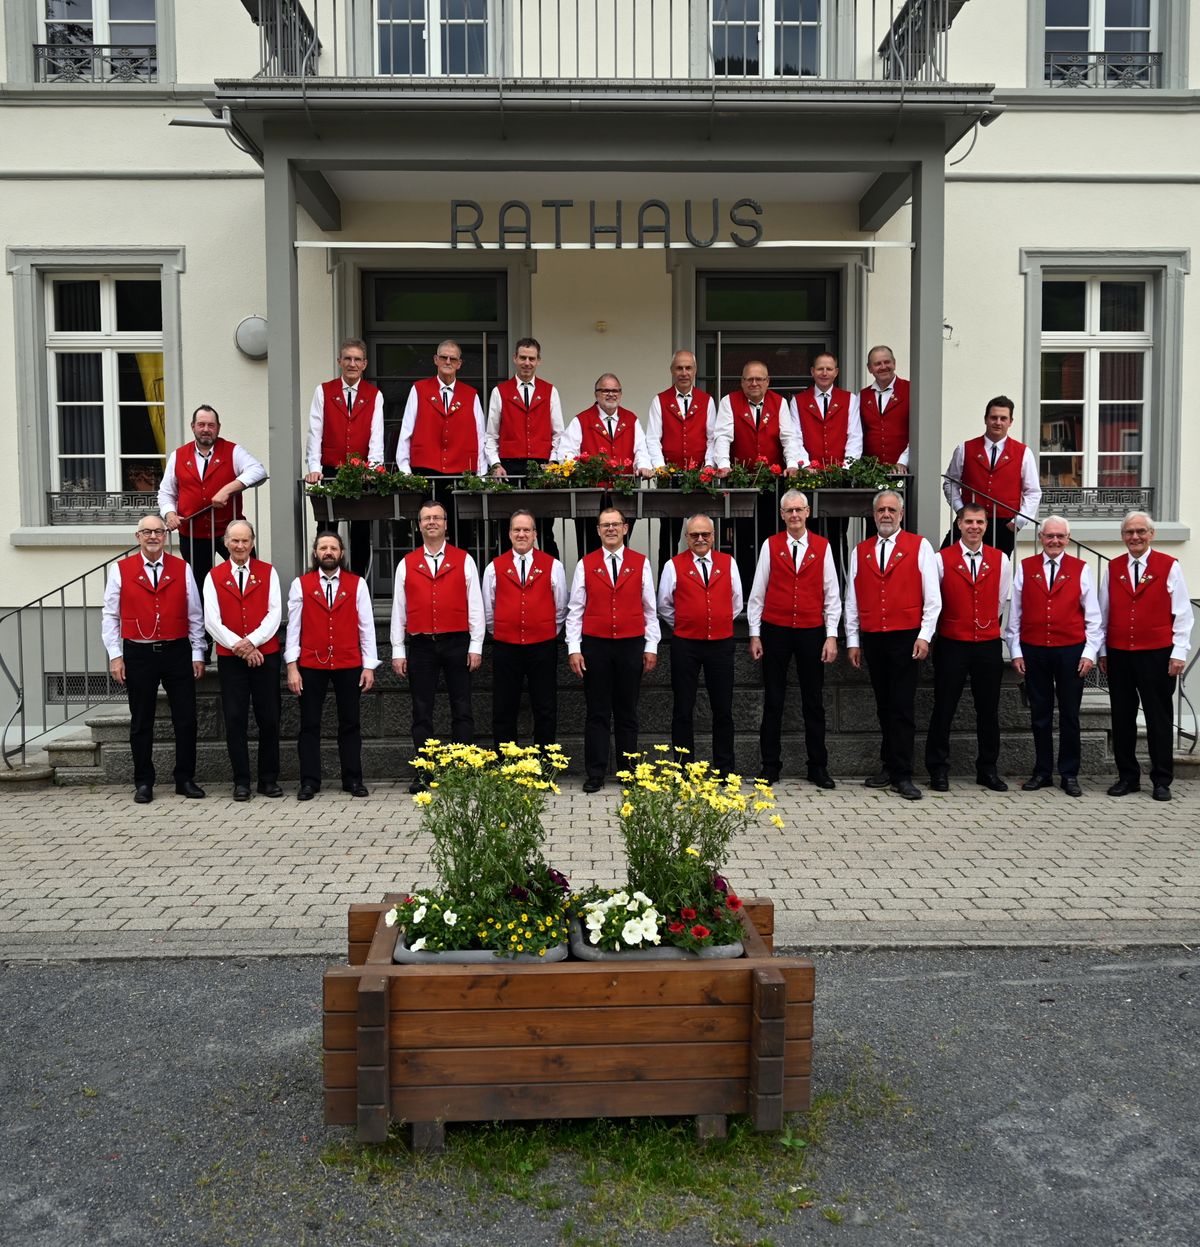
(418, 785)
(989, 779)
(241, 792)
(143, 794)
(1034, 782)
(882, 780)
(770, 775)
(270, 790)
(939, 783)
(189, 788)
(306, 792)
(593, 784)
(821, 777)
(907, 789)
(1070, 785)
(357, 789)
(1123, 787)
(1161, 792)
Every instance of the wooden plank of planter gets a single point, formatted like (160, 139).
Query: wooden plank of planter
(767, 1046)
(360, 930)
(371, 1058)
(797, 1095)
(761, 913)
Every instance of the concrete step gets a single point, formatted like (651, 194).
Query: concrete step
(80, 749)
(79, 776)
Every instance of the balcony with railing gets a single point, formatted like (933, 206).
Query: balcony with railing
(95, 62)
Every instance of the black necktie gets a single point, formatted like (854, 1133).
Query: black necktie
(1053, 573)
(993, 457)
(757, 415)
(525, 394)
(1137, 572)
(349, 399)
(825, 406)
(795, 556)
(329, 592)
(883, 555)
(522, 569)
(972, 556)
(242, 581)
(613, 560)
(201, 465)
(434, 558)
(611, 430)
(683, 402)
(881, 399)
(446, 392)
(704, 571)
(154, 572)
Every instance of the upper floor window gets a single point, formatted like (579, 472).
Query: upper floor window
(767, 38)
(97, 41)
(429, 38)
(1103, 43)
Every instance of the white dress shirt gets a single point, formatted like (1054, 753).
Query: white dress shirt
(654, 427)
(722, 439)
(496, 405)
(854, 433)
(110, 614)
(366, 620)
(1181, 604)
(246, 468)
(578, 600)
(831, 607)
(475, 618)
(1093, 624)
(316, 427)
(931, 590)
(558, 587)
(212, 609)
(1031, 486)
(409, 423)
(572, 438)
(667, 583)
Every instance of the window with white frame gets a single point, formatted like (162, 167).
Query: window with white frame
(1098, 43)
(105, 382)
(97, 41)
(431, 38)
(767, 38)
(1096, 367)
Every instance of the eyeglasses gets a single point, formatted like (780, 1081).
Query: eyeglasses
(699, 536)
(448, 359)
(1135, 532)
(793, 510)
(151, 532)
(613, 524)
(608, 391)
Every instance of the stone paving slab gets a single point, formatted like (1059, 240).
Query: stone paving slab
(85, 873)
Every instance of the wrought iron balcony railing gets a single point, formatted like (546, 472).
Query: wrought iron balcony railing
(1096, 502)
(98, 506)
(1104, 69)
(915, 49)
(95, 62)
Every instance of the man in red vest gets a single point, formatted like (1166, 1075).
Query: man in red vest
(437, 628)
(525, 422)
(1148, 631)
(892, 604)
(754, 423)
(1054, 634)
(345, 421)
(700, 595)
(242, 611)
(203, 480)
(997, 471)
(524, 606)
(976, 582)
(883, 409)
(794, 611)
(153, 630)
(442, 434)
(679, 431)
(612, 640)
(330, 640)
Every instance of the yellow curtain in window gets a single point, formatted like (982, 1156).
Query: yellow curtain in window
(150, 366)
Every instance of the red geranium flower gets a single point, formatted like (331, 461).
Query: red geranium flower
(733, 902)
(677, 928)
(688, 915)
(761, 459)
(776, 470)
(700, 933)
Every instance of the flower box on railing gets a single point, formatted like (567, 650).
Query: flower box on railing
(665, 503)
(401, 506)
(487, 504)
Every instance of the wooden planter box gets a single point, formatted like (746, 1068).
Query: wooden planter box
(402, 506)
(657, 504)
(488, 505)
(432, 1044)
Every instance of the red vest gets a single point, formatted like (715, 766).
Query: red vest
(329, 638)
(684, 442)
(795, 598)
(1055, 616)
(436, 604)
(1140, 618)
(525, 432)
(1003, 484)
(703, 614)
(885, 434)
(970, 608)
(196, 493)
(345, 434)
(524, 614)
(149, 614)
(241, 614)
(894, 599)
(594, 439)
(824, 439)
(613, 611)
(766, 442)
(444, 441)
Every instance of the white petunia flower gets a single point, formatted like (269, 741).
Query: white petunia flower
(417, 945)
(389, 919)
(418, 913)
(449, 917)
(631, 932)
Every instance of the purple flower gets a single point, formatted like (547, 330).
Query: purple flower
(720, 883)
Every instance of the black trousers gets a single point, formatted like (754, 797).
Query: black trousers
(359, 552)
(348, 697)
(894, 674)
(1052, 671)
(780, 647)
(545, 525)
(241, 686)
(1141, 675)
(513, 667)
(954, 663)
(200, 553)
(147, 665)
(612, 683)
(429, 656)
(689, 659)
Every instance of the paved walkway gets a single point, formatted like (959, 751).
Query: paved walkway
(86, 873)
